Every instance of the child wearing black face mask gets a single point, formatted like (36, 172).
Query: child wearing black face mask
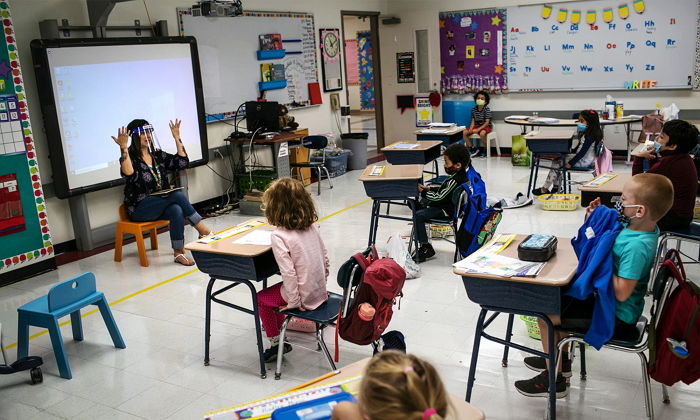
(436, 201)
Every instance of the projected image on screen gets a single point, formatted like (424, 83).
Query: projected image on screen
(98, 89)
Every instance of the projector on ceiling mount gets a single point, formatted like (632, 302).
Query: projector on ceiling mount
(218, 8)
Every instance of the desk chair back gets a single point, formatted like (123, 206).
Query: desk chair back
(70, 291)
(316, 143)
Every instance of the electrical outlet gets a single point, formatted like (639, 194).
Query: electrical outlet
(335, 102)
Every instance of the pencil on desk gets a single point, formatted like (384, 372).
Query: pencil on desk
(315, 380)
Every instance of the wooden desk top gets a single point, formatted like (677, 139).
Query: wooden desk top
(558, 271)
(393, 173)
(227, 247)
(282, 137)
(463, 410)
(612, 186)
(550, 135)
(454, 130)
(421, 145)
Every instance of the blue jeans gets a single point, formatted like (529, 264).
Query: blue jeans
(422, 216)
(175, 207)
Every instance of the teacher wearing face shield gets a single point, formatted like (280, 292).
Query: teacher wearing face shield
(147, 194)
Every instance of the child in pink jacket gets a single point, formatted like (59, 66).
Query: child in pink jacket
(301, 257)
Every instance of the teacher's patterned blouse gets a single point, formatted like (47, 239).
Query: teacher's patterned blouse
(144, 182)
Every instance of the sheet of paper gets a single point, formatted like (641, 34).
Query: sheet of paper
(376, 170)
(494, 264)
(600, 180)
(256, 237)
(403, 146)
(229, 232)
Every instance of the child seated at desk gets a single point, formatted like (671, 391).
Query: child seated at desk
(590, 140)
(481, 121)
(436, 201)
(301, 257)
(645, 199)
(397, 386)
(678, 138)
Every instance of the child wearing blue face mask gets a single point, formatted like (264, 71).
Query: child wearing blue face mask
(590, 141)
(481, 121)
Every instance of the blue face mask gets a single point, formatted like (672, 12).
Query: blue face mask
(581, 127)
(657, 146)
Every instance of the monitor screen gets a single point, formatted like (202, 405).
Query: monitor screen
(89, 88)
(262, 115)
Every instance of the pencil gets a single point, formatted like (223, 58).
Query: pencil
(315, 380)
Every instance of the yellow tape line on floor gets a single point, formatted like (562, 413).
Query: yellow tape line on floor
(179, 276)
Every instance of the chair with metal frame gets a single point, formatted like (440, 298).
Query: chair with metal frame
(315, 143)
(459, 196)
(661, 287)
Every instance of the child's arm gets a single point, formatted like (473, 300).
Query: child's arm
(290, 283)
(623, 287)
(346, 411)
(326, 261)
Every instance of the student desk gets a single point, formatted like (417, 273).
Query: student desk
(448, 137)
(398, 184)
(547, 142)
(237, 264)
(422, 153)
(609, 192)
(462, 410)
(533, 296)
(626, 121)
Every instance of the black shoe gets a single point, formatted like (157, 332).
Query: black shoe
(270, 355)
(474, 152)
(539, 386)
(543, 191)
(424, 252)
(538, 364)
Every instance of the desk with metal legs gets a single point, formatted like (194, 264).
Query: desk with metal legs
(414, 152)
(531, 296)
(224, 260)
(547, 142)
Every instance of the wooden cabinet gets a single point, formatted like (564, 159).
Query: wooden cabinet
(300, 154)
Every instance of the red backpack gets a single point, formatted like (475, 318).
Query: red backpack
(674, 344)
(380, 285)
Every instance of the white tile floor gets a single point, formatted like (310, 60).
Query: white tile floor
(161, 375)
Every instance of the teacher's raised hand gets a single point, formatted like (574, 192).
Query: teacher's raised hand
(122, 138)
(175, 129)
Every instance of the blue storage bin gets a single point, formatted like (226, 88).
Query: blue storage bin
(458, 112)
(336, 165)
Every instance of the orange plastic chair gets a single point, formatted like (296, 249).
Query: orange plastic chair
(124, 225)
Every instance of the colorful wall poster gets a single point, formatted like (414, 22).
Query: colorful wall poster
(352, 66)
(405, 67)
(366, 69)
(424, 111)
(24, 228)
(473, 51)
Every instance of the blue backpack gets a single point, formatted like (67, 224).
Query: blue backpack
(477, 222)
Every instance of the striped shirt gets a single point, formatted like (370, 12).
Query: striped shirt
(442, 196)
(480, 116)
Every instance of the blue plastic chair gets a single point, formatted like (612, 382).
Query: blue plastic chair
(65, 298)
(323, 316)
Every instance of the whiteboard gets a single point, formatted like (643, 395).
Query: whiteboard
(229, 64)
(658, 44)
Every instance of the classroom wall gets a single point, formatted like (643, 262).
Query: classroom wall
(203, 183)
(353, 25)
(417, 14)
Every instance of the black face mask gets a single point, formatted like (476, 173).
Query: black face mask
(451, 170)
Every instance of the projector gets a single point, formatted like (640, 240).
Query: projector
(217, 8)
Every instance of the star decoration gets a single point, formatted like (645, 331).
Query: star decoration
(498, 69)
(442, 23)
(496, 21)
(424, 115)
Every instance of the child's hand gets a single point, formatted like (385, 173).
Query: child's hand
(592, 206)
(422, 188)
(285, 308)
(647, 154)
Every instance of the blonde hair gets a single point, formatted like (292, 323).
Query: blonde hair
(655, 192)
(287, 204)
(397, 386)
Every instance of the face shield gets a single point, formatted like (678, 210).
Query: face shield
(149, 131)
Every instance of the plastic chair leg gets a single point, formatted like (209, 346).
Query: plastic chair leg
(110, 323)
(22, 336)
(664, 392)
(319, 339)
(141, 248)
(647, 386)
(77, 325)
(59, 351)
(582, 350)
(118, 239)
(154, 238)
(328, 174)
(280, 351)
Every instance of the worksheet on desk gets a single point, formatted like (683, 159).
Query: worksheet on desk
(256, 237)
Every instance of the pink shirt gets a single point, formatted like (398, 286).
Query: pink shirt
(303, 263)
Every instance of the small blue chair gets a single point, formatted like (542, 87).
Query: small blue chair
(65, 298)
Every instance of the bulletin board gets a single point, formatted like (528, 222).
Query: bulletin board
(366, 69)
(473, 50)
(603, 45)
(25, 237)
(352, 68)
(229, 63)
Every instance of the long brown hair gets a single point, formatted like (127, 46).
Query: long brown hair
(287, 204)
(398, 386)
